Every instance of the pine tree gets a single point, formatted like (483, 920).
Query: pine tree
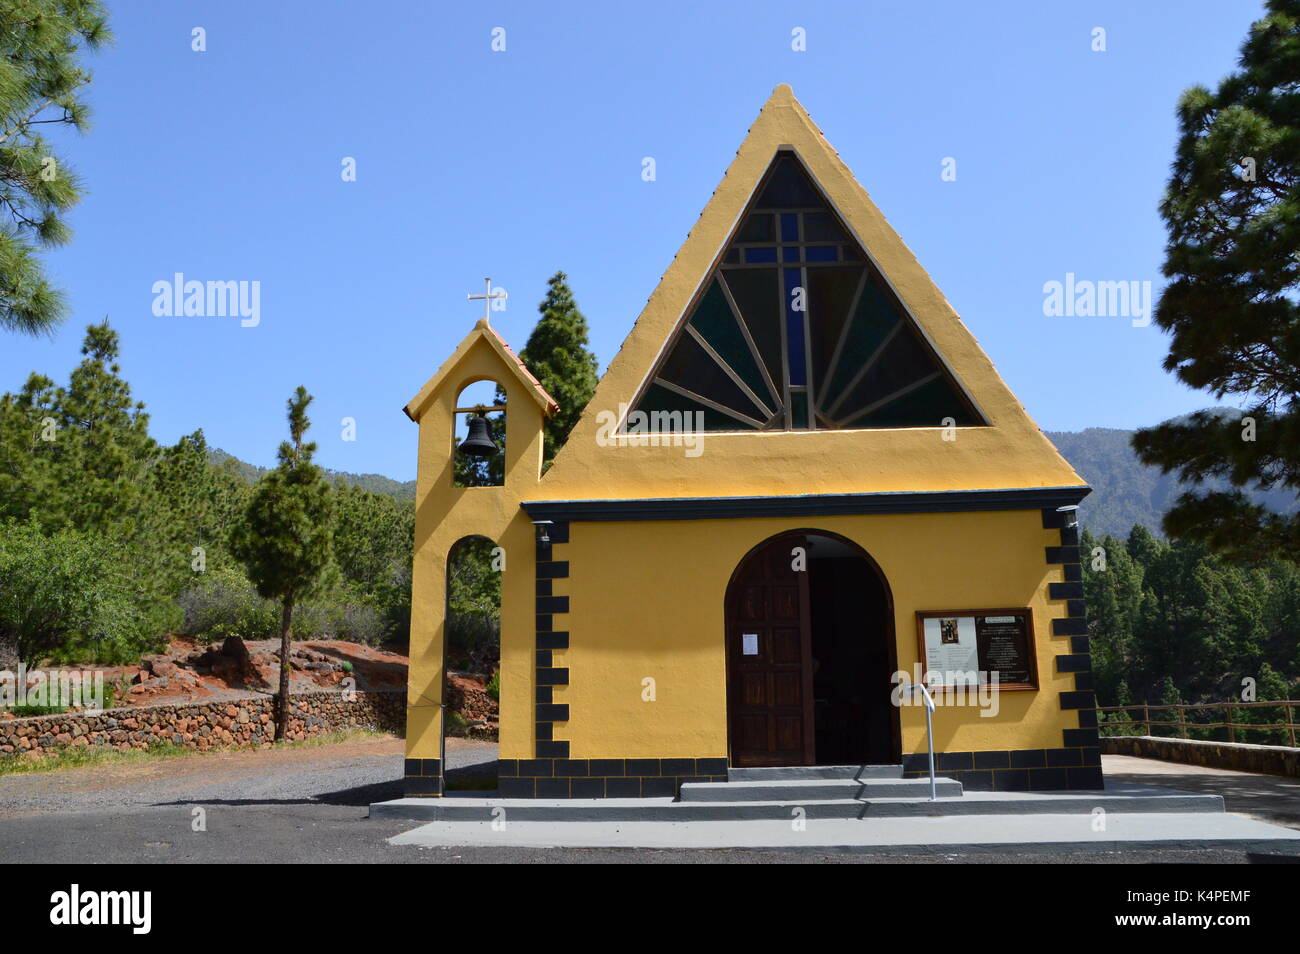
(1232, 210)
(41, 83)
(203, 502)
(558, 355)
(79, 456)
(1270, 686)
(1113, 592)
(286, 539)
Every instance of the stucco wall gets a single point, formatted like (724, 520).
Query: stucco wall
(647, 601)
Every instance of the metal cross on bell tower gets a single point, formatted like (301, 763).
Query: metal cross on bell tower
(488, 298)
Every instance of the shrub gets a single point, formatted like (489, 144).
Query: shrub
(222, 602)
(340, 613)
(75, 596)
(456, 724)
(473, 640)
(23, 711)
(494, 687)
(393, 599)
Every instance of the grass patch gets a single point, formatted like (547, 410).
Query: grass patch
(70, 757)
(22, 712)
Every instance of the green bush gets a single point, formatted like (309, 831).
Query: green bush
(340, 613)
(473, 641)
(74, 596)
(456, 724)
(1108, 730)
(494, 687)
(222, 602)
(24, 711)
(393, 600)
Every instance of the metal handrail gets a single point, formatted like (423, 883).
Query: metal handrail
(929, 727)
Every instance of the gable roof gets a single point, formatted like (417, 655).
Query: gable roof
(484, 332)
(1004, 449)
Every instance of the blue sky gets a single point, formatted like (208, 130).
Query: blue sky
(225, 165)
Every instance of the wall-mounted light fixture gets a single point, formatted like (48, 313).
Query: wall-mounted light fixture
(543, 534)
(1069, 516)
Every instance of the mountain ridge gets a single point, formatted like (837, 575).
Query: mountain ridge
(1125, 491)
(377, 483)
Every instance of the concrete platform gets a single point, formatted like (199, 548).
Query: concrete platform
(485, 806)
(1131, 813)
(1052, 832)
(845, 808)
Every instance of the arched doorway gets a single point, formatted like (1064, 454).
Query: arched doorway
(810, 655)
(471, 664)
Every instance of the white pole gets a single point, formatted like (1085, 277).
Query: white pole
(929, 735)
(929, 730)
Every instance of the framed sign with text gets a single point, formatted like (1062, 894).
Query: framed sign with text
(963, 647)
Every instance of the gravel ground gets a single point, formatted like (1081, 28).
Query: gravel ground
(309, 805)
(353, 774)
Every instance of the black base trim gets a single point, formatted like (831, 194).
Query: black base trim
(1016, 770)
(422, 778)
(604, 778)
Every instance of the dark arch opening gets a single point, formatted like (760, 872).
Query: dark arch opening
(471, 662)
(810, 655)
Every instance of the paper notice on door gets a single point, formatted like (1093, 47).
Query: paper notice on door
(749, 644)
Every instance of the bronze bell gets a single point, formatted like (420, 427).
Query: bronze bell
(478, 442)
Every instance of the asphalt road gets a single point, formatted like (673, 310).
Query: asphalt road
(1270, 798)
(309, 805)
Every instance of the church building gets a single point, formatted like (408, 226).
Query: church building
(800, 489)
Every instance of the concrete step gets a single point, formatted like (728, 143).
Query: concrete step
(1012, 833)
(814, 771)
(799, 790)
(1080, 804)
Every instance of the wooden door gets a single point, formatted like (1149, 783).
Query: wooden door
(769, 659)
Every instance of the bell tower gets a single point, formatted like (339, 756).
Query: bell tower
(446, 513)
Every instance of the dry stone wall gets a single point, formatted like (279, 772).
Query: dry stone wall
(242, 723)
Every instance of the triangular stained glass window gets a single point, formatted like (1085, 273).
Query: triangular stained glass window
(796, 330)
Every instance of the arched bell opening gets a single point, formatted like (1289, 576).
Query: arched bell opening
(479, 435)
